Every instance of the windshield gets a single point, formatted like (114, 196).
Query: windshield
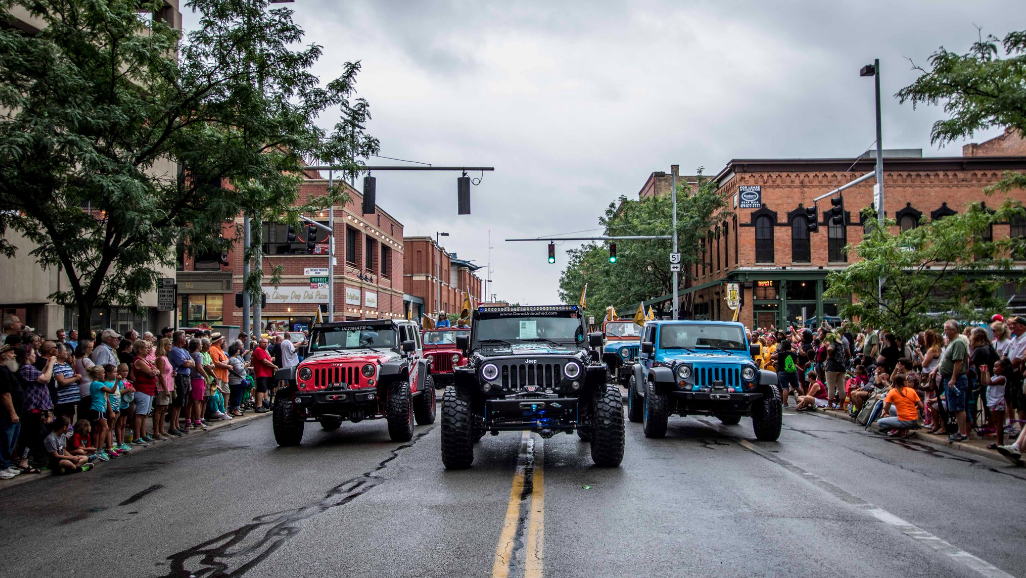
(511, 329)
(623, 329)
(700, 336)
(441, 337)
(355, 337)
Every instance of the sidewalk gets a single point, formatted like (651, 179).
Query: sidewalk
(211, 427)
(974, 445)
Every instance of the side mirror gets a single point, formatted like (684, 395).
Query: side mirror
(754, 350)
(647, 347)
(409, 346)
(595, 339)
(463, 343)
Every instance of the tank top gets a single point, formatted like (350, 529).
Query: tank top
(145, 383)
(165, 385)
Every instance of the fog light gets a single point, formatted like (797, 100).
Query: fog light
(486, 387)
(370, 396)
(299, 401)
(370, 382)
(576, 385)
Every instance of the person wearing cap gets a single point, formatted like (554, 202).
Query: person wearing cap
(106, 353)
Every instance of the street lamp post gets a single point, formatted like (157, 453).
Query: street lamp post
(874, 71)
(438, 272)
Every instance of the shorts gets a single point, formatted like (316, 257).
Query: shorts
(956, 396)
(199, 389)
(787, 380)
(183, 387)
(162, 399)
(263, 384)
(143, 403)
(996, 405)
(820, 402)
(96, 415)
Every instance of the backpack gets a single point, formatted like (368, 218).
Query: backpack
(789, 366)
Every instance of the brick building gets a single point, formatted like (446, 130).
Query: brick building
(658, 183)
(368, 270)
(436, 280)
(781, 266)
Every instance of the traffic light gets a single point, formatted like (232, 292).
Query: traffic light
(612, 252)
(290, 234)
(370, 189)
(837, 212)
(463, 195)
(311, 239)
(552, 252)
(810, 214)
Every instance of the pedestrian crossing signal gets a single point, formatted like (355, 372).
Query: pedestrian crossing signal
(552, 252)
(612, 252)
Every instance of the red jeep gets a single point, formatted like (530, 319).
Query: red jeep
(356, 370)
(442, 354)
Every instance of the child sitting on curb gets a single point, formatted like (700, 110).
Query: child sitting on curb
(61, 462)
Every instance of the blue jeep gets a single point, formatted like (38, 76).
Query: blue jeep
(704, 368)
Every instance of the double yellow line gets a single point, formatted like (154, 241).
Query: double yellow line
(529, 470)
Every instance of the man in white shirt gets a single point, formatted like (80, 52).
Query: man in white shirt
(106, 352)
(289, 356)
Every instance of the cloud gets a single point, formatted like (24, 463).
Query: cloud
(575, 103)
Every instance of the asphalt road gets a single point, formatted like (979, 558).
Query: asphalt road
(827, 500)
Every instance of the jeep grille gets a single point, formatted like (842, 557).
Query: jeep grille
(441, 362)
(517, 375)
(705, 375)
(632, 352)
(325, 376)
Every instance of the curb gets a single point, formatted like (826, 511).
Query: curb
(29, 478)
(933, 440)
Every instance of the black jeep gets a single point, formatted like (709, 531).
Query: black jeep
(529, 368)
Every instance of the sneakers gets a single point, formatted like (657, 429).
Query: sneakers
(102, 456)
(148, 438)
(957, 437)
(1011, 452)
(92, 458)
(124, 448)
(140, 442)
(6, 474)
(113, 453)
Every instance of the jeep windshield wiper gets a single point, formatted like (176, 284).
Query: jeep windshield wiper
(496, 341)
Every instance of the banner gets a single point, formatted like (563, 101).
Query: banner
(733, 296)
(296, 294)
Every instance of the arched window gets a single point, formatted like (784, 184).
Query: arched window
(837, 238)
(763, 239)
(907, 223)
(801, 249)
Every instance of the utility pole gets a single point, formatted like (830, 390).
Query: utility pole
(438, 272)
(879, 169)
(331, 252)
(258, 264)
(673, 199)
(245, 275)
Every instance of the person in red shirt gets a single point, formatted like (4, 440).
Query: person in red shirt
(80, 442)
(263, 371)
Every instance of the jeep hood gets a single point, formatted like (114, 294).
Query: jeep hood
(363, 355)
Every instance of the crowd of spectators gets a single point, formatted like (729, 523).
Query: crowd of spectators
(963, 382)
(69, 402)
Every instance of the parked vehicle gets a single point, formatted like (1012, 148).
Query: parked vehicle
(621, 348)
(441, 353)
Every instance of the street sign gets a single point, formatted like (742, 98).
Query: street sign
(311, 271)
(591, 320)
(733, 296)
(318, 279)
(166, 294)
(876, 197)
(674, 258)
(675, 268)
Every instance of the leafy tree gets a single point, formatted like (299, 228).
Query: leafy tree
(642, 269)
(119, 135)
(980, 89)
(929, 276)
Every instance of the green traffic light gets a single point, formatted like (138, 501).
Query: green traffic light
(552, 259)
(612, 258)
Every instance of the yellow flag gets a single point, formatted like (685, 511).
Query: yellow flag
(427, 322)
(465, 313)
(639, 317)
(610, 313)
(651, 314)
(409, 313)
(317, 317)
(584, 299)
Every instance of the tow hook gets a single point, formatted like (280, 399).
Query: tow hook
(719, 396)
(546, 433)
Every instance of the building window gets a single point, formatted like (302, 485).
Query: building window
(1017, 231)
(702, 241)
(717, 250)
(801, 249)
(726, 246)
(763, 239)
(369, 254)
(837, 238)
(386, 261)
(907, 223)
(200, 308)
(351, 246)
(736, 259)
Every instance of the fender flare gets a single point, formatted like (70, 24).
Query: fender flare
(767, 377)
(638, 371)
(662, 377)
(390, 369)
(286, 374)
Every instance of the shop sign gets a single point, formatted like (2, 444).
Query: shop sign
(352, 295)
(750, 197)
(733, 296)
(764, 283)
(370, 299)
(295, 294)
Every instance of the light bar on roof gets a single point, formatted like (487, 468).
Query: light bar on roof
(529, 309)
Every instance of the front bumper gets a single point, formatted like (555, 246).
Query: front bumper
(326, 401)
(715, 401)
(533, 414)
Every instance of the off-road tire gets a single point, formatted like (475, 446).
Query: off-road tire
(767, 416)
(657, 412)
(585, 417)
(288, 429)
(457, 430)
(330, 423)
(729, 419)
(400, 412)
(635, 403)
(607, 439)
(424, 406)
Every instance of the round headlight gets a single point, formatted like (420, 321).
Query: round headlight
(572, 370)
(489, 372)
(368, 370)
(748, 373)
(625, 352)
(305, 374)
(455, 357)
(684, 371)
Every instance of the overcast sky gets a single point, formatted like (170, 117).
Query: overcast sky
(577, 102)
